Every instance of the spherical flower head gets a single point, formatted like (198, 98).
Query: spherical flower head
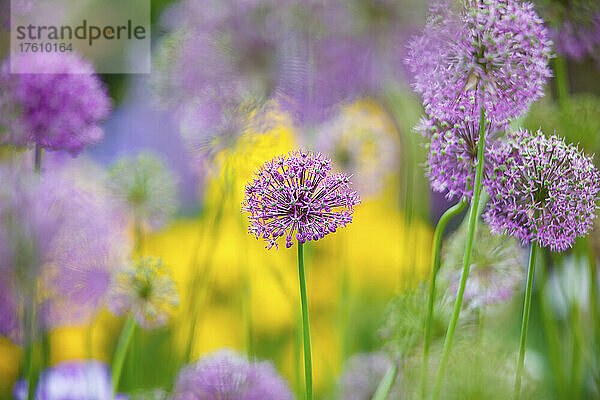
(362, 145)
(542, 190)
(298, 194)
(61, 109)
(145, 289)
(227, 375)
(452, 150)
(146, 187)
(76, 379)
(361, 376)
(493, 51)
(497, 267)
(51, 253)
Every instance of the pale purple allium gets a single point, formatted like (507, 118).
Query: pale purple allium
(146, 187)
(297, 193)
(72, 380)
(361, 144)
(362, 375)
(227, 375)
(493, 53)
(497, 267)
(49, 244)
(61, 109)
(218, 66)
(542, 190)
(146, 290)
(575, 27)
(453, 146)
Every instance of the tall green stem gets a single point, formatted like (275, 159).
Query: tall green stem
(385, 386)
(436, 258)
(525, 323)
(121, 352)
(37, 162)
(561, 79)
(31, 371)
(473, 215)
(305, 325)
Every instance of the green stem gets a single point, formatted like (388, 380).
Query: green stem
(121, 351)
(30, 368)
(593, 270)
(562, 80)
(525, 323)
(305, 325)
(473, 216)
(385, 386)
(436, 257)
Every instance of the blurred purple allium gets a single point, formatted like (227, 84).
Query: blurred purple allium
(575, 27)
(73, 380)
(542, 190)
(361, 144)
(147, 189)
(497, 267)
(218, 67)
(452, 156)
(361, 376)
(298, 193)
(492, 53)
(60, 109)
(227, 375)
(49, 245)
(145, 289)
(342, 50)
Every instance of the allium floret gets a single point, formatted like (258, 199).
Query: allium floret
(542, 190)
(298, 193)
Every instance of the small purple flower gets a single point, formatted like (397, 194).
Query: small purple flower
(541, 190)
(227, 375)
(361, 376)
(453, 146)
(49, 245)
(491, 52)
(295, 193)
(73, 380)
(497, 267)
(60, 109)
(362, 144)
(146, 290)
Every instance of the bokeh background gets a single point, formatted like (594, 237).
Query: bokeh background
(247, 296)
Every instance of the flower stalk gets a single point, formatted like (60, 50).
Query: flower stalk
(436, 257)
(525, 323)
(473, 216)
(305, 326)
(121, 351)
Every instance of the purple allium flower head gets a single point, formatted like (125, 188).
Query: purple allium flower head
(497, 267)
(60, 109)
(298, 193)
(146, 290)
(227, 375)
(218, 66)
(361, 144)
(541, 190)
(452, 156)
(146, 187)
(49, 243)
(361, 376)
(73, 380)
(491, 52)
